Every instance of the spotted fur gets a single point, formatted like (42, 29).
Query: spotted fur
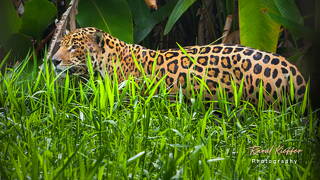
(214, 64)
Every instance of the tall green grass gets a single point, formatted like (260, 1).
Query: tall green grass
(70, 128)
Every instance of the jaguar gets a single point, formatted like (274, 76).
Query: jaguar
(220, 65)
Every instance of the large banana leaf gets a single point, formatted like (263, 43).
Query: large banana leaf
(257, 29)
(112, 16)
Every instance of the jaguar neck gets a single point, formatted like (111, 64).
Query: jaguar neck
(143, 56)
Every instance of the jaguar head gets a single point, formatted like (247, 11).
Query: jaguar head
(74, 49)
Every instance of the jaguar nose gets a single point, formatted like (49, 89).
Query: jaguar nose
(56, 62)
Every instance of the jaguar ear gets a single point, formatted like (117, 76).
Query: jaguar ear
(98, 36)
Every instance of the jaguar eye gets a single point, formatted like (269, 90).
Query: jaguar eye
(72, 48)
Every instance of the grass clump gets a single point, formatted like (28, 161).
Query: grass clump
(54, 128)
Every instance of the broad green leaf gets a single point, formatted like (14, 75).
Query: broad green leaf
(288, 9)
(37, 16)
(257, 29)
(112, 16)
(9, 19)
(178, 10)
(297, 29)
(288, 15)
(20, 45)
(145, 20)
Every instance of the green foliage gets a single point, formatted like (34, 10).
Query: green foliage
(257, 30)
(288, 9)
(112, 16)
(12, 22)
(176, 13)
(54, 128)
(132, 21)
(19, 43)
(288, 15)
(145, 20)
(116, 17)
(37, 16)
(260, 21)
(19, 32)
